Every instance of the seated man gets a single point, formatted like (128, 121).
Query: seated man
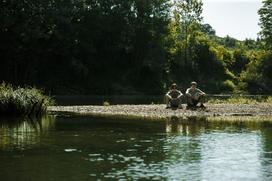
(195, 96)
(173, 97)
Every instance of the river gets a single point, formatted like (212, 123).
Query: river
(66, 147)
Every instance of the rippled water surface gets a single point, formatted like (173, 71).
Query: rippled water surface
(86, 148)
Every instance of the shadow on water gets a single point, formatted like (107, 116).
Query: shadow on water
(98, 100)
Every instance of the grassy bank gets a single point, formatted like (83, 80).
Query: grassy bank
(22, 101)
(241, 100)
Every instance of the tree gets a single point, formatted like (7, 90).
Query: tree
(229, 42)
(79, 46)
(190, 17)
(266, 22)
(207, 29)
(240, 60)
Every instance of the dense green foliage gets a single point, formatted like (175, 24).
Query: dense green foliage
(22, 101)
(127, 47)
(266, 22)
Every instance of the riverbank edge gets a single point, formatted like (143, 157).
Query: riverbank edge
(214, 112)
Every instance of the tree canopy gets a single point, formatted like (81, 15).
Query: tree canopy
(266, 22)
(127, 47)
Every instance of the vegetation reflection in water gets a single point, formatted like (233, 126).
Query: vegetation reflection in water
(82, 148)
(23, 132)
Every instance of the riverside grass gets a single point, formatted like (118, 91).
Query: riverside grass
(241, 100)
(22, 101)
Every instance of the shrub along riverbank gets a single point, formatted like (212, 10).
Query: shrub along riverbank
(22, 101)
(242, 100)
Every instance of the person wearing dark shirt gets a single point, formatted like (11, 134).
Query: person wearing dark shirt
(173, 97)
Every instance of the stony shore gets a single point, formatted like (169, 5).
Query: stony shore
(159, 111)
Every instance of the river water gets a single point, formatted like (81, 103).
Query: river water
(64, 148)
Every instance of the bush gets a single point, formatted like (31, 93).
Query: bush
(228, 86)
(22, 101)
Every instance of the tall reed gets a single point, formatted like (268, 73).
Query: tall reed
(22, 101)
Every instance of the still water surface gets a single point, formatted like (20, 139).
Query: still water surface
(67, 148)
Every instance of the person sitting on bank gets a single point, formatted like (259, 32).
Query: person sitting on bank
(173, 97)
(195, 96)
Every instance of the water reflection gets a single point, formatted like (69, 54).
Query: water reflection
(266, 156)
(88, 148)
(185, 126)
(231, 155)
(22, 133)
(218, 150)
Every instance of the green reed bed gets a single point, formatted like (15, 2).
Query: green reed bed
(22, 101)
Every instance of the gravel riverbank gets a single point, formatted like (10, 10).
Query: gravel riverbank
(159, 111)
